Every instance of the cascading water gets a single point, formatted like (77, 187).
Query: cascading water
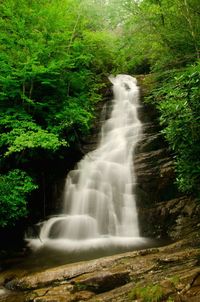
(99, 206)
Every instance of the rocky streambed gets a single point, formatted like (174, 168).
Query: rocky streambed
(170, 273)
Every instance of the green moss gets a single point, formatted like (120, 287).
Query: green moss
(150, 293)
(170, 299)
(174, 280)
(80, 286)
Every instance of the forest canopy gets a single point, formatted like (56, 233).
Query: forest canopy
(55, 56)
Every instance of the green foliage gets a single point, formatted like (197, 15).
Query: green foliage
(30, 139)
(152, 37)
(21, 133)
(170, 299)
(174, 280)
(149, 293)
(54, 56)
(178, 103)
(14, 189)
(155, 33)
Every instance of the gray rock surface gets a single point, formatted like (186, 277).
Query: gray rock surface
(172, 272)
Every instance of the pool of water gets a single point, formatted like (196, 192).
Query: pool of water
(47, 257)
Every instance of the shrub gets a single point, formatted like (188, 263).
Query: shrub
(14, 189)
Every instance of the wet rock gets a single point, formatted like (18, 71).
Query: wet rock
(173, 219)
(175, 268)
(168, 287)
(62, 274)
(169, 214)
(154, 167)
(102, 281)
(59, 294)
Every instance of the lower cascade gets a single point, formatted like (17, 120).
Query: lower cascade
(99, 206)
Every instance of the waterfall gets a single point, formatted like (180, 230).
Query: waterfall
(99, 206)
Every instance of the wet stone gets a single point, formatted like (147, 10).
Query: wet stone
(102, 281)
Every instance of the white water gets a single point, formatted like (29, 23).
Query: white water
(99, 207)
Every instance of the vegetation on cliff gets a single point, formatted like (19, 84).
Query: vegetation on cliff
(177, 96)
(162, 37)
(54, 57)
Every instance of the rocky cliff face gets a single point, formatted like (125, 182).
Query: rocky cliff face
(163, 211)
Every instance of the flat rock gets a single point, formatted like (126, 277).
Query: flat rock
(175, 268)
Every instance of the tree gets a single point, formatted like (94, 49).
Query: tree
(14, 188)
(53, 57)
(156, 32)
